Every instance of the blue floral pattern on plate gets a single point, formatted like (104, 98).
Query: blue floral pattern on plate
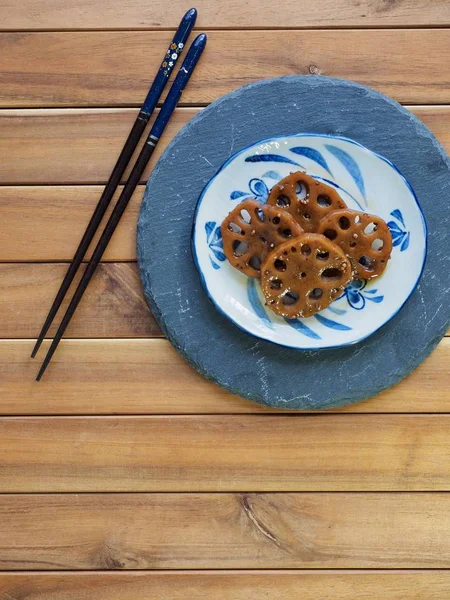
(400, 237)
(215, 243)
(356, 296)
(356, 173)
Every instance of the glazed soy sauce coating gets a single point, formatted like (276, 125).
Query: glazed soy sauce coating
(305, 198)
(304, 275)
(364, 238)
(252, 230)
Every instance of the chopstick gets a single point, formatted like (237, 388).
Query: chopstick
(156, 89)
(156, 131)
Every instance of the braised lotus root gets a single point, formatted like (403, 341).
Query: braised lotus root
(251, 231)
(303, 276)
(364, 238)
(305, 198)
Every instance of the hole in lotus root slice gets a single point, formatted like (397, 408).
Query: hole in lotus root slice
(290, 298)
(367, 263)
(331, 234)
(312, 279)
(316, 294)
(245, 216)
(377, 245)
(323, 201)
(365, 239)
(259, 214)
(307, 199)
(235, 228)
(301, 191)
(344, 222)
(287, 233)
(255, 263)
(279, 265)
(276, 284)
(370, 228)
(240, 248)
(267, 228)
(332, 273)
(283, 201)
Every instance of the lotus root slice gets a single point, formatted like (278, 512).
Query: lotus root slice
(304, 276)
(364, 238)
(305, 198)
(252, 230)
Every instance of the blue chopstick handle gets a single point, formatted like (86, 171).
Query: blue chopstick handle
(183, 76)
(169, 61)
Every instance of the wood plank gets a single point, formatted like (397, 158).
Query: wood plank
(225, 453)
(113, 305)
(71, 145)
(210, 531)
(228, 585)
(38, 138)
(149, 377)
(103, 14)
(114, 68)
(46, 223)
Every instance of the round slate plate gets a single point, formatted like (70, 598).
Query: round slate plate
(257, 369)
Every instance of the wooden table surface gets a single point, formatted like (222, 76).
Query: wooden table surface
(123, 474)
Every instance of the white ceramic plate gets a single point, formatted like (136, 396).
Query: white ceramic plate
(366, 181)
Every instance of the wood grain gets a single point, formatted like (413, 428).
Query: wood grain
(103, 14)
(228, 585)
(225, 453)
(209, 531)
(149, 377)
(70, 145)
(45, 223)
(114, 68)
(39, 138)
(113, 305)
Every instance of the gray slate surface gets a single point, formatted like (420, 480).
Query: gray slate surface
(256, 369)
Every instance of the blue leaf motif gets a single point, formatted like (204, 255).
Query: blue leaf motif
(254, 300)
(313, 155)
(394, 227)
(214, 265)
(270, 158)
(217, 236)
(215, 243)
(302, 328)
(376, 299)
(337, 311)
(356, 297)
(332, 324)
(218, 253)
(259, 188)
(405, 243)
(209, 228)
(397, 214)
(272, 175)
(351, 165)
(237, 194)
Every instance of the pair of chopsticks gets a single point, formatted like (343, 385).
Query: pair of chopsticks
(161, 78)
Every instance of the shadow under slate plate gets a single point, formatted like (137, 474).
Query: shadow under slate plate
(257, 369)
